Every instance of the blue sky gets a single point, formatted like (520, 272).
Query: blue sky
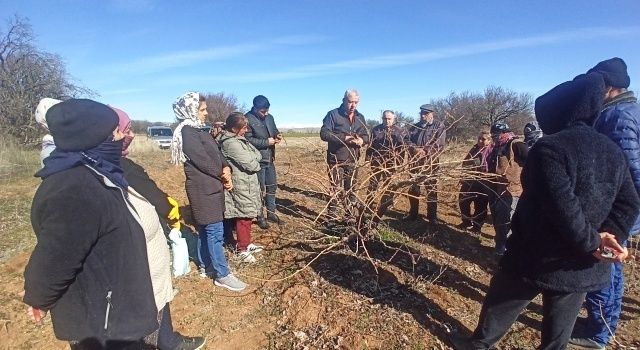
(140, 55)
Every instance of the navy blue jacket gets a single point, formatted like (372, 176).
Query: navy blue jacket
(620, 121)
(258, 132)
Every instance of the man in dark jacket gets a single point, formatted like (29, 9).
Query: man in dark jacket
(578, 202)
(505, 161)
(89, 266)
(385, 153)
(345, 131)
(620, 121)
(264, 135)
(427, 140)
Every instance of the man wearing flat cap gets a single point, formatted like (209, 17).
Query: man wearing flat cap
(426, 139)
(620, 121)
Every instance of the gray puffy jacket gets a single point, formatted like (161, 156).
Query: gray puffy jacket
(244, 200)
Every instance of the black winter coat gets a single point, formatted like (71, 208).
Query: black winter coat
(89, 266)
(138, 178)
(576, 183)
(203, 170)
(258, 133)
(335, 128)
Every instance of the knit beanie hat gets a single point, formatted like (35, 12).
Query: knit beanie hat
(80, 124)
(260, 102)
(614, 72)
(578, 100)
(42, 108)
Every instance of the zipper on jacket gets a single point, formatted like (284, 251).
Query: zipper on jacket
(109, 306)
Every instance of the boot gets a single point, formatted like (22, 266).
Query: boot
(271, 216)
(262, 223)
(413, 210)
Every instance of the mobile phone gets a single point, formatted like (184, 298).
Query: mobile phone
(607, 253)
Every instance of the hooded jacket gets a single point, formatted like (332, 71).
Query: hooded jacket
(245, 199)
(576, 183)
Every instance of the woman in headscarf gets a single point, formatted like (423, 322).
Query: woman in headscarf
(244, 202)
(474, 191)
(208, 174)
(89, 266)
(151, 204)
(47, 140)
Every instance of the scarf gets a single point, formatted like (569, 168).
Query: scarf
(124, 125)
(186, 110)
(504, 138)
(484, 158)
(104, 158)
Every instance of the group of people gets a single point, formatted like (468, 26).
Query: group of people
(229, 176)
(345, 131)
(562, 208)
(578, 206)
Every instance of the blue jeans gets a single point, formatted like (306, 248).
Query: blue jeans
(268, 186)
(604, 307)
(211, 251)
(502, 210)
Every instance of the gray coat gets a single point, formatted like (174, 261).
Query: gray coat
(244, 200)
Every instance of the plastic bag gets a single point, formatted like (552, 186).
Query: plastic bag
(180, 254)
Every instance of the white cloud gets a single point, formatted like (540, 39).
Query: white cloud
(416, 57)
(188, 58)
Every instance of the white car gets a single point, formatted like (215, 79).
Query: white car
(162, 135)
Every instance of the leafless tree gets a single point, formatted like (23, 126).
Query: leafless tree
(220, 105)
(28, 74)
(481, 110)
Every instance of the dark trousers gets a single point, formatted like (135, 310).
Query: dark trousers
(268, 185)
(506, 299)
(167, 338)
(432, 198)
(502, 209)
(94, 344)
(342, 178)
(473, 193)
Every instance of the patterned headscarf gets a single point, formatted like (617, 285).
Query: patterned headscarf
(186, 111)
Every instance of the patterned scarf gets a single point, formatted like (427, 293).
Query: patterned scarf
(186, 111)
(484, 157)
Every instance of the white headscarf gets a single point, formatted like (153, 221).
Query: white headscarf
(48, 144)
(186, 111)
(42, 108)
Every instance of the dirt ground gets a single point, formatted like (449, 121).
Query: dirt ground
(425, 281)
